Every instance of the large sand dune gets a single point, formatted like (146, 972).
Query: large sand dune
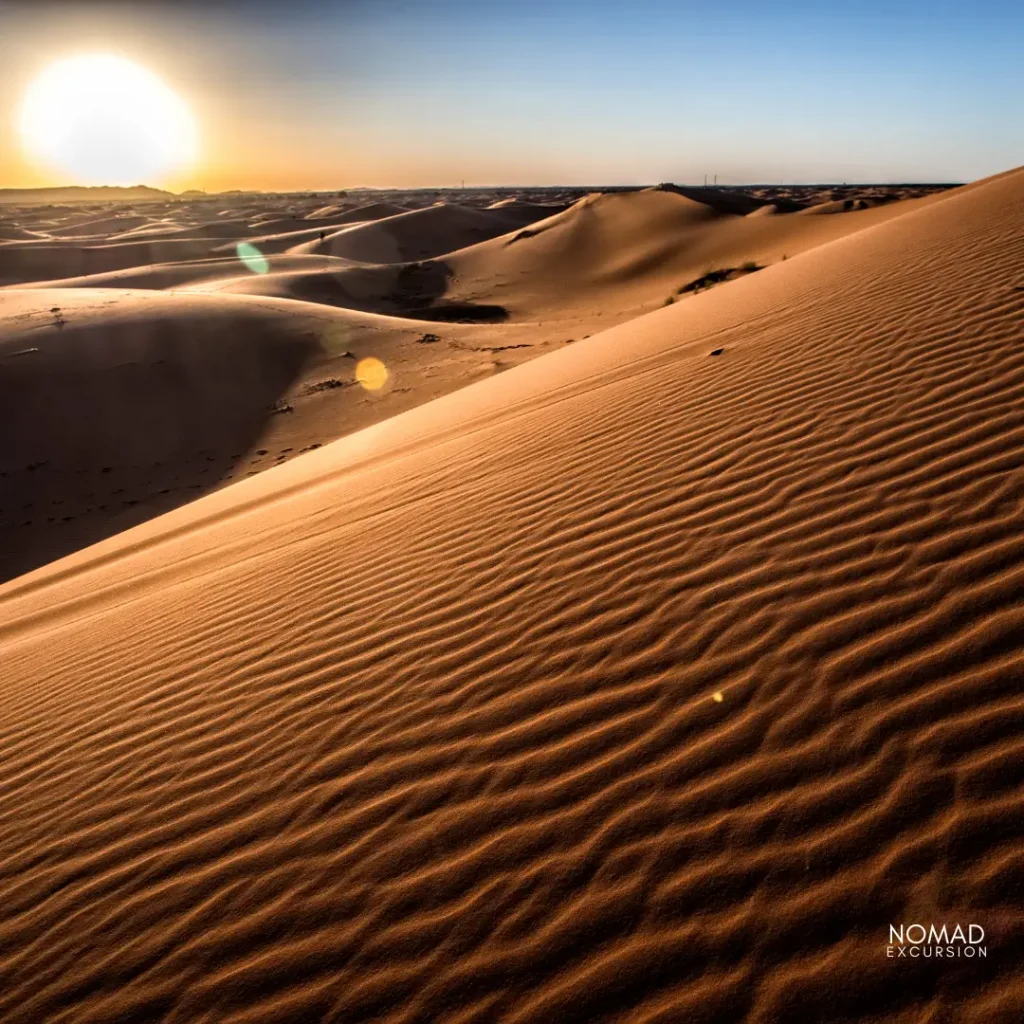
(649, 681)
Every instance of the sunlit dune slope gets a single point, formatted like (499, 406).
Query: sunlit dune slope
(221, 228)
(637, 683)
(738, 203)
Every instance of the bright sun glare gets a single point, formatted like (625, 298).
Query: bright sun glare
(106, 121)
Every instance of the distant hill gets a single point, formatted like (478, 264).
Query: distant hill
(82, 194)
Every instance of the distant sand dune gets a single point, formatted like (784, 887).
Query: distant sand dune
(98, 227)
(630, 684)
(11, 232)
(625, 254)
(44, 260)
(87, 244)
(606, 259)
(177, 274)
(421, 234)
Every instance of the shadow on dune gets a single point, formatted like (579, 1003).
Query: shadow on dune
(420, 286)
(724, 201)
(25, 263)
(106, 428)
(412, 290)
(461, 313)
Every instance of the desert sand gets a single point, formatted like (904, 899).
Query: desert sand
(642, 650)
(146, 364)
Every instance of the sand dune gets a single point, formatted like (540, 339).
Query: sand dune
(437, 325)
(421, 234)
(14, 233)
(54, 243)
(371, 211)
(43, 260)
(330, 210)
(612, 257)
(607, 259)
(218, 228)
(121, 404)
(637, 683)
(720, 201)
(420, 291)
(355, 213)
(100, 227)
(433, 332)
(291, 241)
(296, 222)
(128, 404)
(181, 273)
(836, 206)
(26, 262)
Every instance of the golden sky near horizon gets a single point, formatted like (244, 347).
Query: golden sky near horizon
(239, 142)
(245, 138)
(259, 123)
(274, 111)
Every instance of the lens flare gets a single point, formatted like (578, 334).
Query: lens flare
(253, 259)
(371, 373)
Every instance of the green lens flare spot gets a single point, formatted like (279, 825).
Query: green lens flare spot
(253, 259)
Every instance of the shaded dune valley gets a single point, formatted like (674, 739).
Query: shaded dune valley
(644, 652)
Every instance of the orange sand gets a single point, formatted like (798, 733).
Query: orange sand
(633, 683)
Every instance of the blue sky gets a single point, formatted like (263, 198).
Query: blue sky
(319, 95)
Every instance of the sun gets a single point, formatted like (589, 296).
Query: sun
(104, 120)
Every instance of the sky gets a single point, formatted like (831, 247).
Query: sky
(305, 95)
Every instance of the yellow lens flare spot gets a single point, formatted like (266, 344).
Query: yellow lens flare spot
(253, 259)
(371, 373)
(718, 696)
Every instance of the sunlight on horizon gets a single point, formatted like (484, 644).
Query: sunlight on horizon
(105, 120)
